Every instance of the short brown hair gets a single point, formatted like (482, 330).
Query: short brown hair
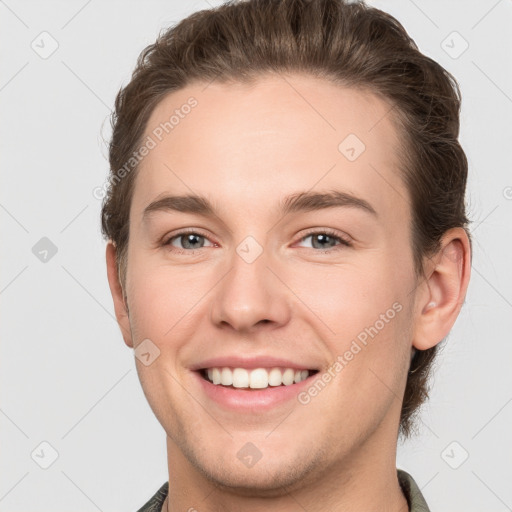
(349, 43)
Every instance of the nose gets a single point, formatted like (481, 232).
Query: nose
(250, 296)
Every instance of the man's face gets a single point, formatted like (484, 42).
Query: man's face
(255, 282)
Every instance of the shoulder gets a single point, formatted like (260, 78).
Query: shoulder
(412, 492)
(156, 502)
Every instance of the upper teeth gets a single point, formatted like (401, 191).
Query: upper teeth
(258, 378)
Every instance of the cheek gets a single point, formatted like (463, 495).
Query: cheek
(347, 298)
(362, 314)
(163, 298)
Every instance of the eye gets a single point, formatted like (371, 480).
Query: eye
(326, 239)
(190, 240)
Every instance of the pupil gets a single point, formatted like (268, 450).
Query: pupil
(322, 238)
(190, 239)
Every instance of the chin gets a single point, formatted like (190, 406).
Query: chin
(266, 478)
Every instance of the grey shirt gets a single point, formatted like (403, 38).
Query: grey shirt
(409, 487)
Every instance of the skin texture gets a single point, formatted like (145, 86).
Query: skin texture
(245, 147)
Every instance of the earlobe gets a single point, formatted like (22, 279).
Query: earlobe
(116, 290)
(443, 293)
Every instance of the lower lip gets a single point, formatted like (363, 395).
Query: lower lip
(247, 399)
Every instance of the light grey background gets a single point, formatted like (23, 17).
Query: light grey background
(66, 377)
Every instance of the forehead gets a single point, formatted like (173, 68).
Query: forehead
(247, 145)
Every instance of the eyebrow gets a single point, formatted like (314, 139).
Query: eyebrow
(299, 202)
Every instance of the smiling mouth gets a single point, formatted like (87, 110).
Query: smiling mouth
(257, 378)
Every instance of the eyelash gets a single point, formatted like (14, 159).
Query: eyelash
(343, 242)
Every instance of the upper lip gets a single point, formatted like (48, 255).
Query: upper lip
(250, 363)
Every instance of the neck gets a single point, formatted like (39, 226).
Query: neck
(365, 479)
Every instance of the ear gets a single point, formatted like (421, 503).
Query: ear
(441, 295)
(116, 290)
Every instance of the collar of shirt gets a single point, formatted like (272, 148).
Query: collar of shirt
(412, 493)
